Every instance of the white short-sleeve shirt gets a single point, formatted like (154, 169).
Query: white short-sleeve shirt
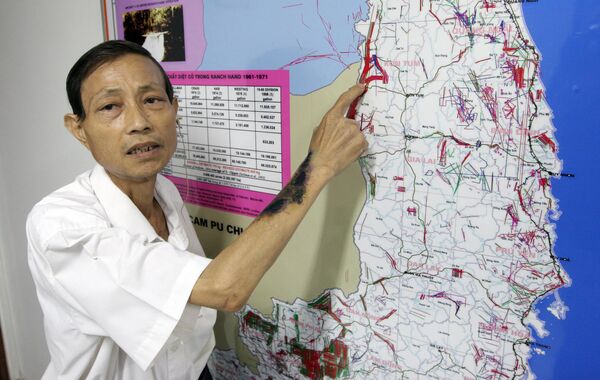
(114, 294)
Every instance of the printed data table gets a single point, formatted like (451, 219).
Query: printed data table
(233, 150)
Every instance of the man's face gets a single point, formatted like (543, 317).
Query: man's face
(130, 124)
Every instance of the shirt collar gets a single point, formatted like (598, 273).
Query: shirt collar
(123, 213)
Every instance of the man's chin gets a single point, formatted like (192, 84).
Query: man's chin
(148, 173)
(139, 174)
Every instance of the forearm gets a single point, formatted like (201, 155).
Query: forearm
(232, 276)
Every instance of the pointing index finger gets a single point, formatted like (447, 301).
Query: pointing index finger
(346, 99)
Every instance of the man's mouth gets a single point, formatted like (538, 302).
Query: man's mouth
(142, 148)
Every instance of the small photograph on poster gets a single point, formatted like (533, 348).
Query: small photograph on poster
(159, 30)
(172, 30)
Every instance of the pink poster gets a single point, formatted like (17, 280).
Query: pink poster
(233, 151)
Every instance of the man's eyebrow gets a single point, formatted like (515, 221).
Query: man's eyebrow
(106, 92)
(150, 87)
(117, 91)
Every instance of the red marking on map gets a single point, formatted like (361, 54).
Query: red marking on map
(487, 5)
(370, 61)
(386, 341)
(442, 161)
(457, 273)
(386, 316)
(547, 141)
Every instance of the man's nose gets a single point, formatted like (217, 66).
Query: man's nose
(138, 121)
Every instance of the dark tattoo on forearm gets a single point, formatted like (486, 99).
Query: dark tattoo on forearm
(293, 192)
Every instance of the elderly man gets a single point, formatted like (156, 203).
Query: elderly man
(121, 277)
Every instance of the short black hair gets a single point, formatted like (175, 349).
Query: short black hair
(100, 54)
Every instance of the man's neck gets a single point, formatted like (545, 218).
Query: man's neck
(141, 193)
(142, 196)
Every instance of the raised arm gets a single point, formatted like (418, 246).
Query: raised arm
(227, 283)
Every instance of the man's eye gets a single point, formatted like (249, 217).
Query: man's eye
(108, 107)
(153, 100)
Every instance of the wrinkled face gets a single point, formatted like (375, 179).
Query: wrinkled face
(130, 124)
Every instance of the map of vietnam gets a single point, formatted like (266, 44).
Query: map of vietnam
(454, 239)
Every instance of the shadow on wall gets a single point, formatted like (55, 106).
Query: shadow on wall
(3, 364)
(345, 195)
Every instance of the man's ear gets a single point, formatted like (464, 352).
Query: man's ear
(175, 104)
(73, 124)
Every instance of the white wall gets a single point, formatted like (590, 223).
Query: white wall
(39, 41)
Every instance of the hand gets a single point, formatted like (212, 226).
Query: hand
(338, 141)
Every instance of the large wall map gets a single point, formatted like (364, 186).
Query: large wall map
(454, 239)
